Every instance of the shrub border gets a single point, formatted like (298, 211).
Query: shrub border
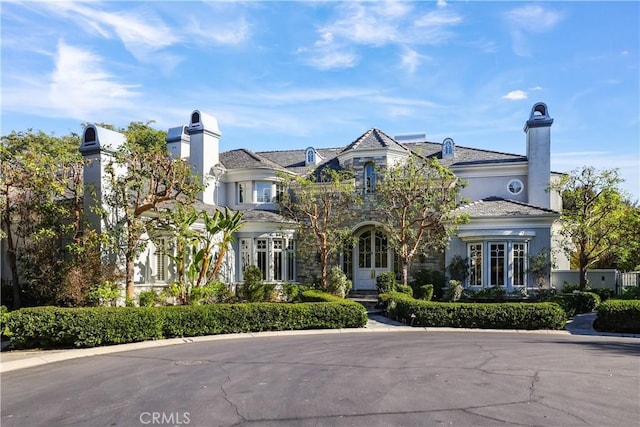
(527, 316)
(59, 327)
(622, 316)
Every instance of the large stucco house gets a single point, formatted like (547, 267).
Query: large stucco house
(512, 215)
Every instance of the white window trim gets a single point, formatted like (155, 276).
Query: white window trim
(508, 260)
(515, 181)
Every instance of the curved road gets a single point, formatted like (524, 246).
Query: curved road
(355, 379)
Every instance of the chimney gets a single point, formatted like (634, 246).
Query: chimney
(538, 130)
(98, 148)
(178, 142)
(204, 136)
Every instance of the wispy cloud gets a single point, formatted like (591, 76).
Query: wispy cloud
(410, 60)
(78, 87)
(515, 95)
(377, 24)
(526, 20)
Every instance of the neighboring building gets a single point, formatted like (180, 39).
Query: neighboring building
(512, 215)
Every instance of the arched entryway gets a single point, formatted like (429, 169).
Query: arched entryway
(371, 256)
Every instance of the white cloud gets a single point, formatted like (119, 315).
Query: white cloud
(329, 59)
(536, 88)
(79, 87)
(140, 30)
(530, 19)
(377, 24)
(533, 18)
(515, 95)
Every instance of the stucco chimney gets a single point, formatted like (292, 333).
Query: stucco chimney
(538, 130)
(204, 136)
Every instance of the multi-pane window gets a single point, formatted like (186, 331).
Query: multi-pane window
(278, 259)
(291, 260)
(162, 260)
(245, 254)
(369, 178)
(347, 261)
(381, 251)
(244, 192)
(475, 264)
(279, 191)
(263, 192)
(262, 256)
(364, 250)
(504, 265)
(519, 252)
(497, 263)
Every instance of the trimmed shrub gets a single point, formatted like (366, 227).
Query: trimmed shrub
(211, 293)
(337, 282)
(386, 282)
(631, 292)
(425, 292)
(577, 303)
(603, 293)
(434, 277)
(405, 289)
(4, 315)
(56, 327)
(454, 291)
(473, 315)
(618, 316)
(148, 298)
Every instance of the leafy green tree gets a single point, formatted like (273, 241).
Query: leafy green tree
(143, 178)
(593, 215)
(323, 205)
(416, 201)
(40, 209)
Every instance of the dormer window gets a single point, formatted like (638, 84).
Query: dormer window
(310, 157)
(369, 178)
(448, 148)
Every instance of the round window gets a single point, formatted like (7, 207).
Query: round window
(515, 186)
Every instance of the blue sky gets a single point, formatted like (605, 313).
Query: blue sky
(280, 75)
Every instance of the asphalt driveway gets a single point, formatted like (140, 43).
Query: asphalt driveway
(362, 379)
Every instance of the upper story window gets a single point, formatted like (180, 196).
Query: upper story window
(244, 192)
(369, 178)
(310, 157)
(448, 148)
(263, 192)
(515, 186)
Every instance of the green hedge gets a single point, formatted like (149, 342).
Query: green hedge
(618, 316)
(577, 303)
(57, 327)
(474, 315)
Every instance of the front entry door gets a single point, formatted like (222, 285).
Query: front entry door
(372, 258)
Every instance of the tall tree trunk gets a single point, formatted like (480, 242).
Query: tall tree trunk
(129, 278)
(405, 271)
(15, 280)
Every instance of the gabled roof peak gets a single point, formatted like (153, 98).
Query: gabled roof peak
(374, 139)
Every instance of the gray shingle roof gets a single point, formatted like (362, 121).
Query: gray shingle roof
(499, 207)
(294, 160)
(257, 215)
(243, 158)
(374, 138)
(464, 155)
